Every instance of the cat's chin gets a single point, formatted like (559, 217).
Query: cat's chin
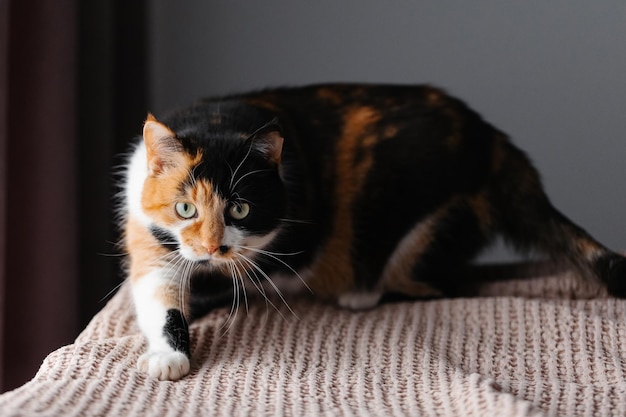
(209, 263)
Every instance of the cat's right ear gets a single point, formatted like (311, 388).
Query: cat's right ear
(162, 147)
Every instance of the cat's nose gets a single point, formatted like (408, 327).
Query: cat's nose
(211, 249)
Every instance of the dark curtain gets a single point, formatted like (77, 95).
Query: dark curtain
(72, 93)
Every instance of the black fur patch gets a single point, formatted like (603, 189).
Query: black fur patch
(165, 238)
(176, 330)
(612, 271)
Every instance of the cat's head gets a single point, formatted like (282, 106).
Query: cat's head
(217, 194)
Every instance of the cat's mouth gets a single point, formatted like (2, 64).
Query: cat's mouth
(211, 265)
(227, 254)
(213, 257)
(215, 260)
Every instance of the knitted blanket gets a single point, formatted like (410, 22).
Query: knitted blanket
(526, 347)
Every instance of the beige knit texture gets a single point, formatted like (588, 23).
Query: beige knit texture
(522, 348)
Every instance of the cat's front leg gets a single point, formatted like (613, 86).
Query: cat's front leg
(158, 302)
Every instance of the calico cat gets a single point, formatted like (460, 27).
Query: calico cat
(347, 191)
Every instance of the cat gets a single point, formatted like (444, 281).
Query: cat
(348, 191)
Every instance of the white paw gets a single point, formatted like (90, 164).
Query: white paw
(359, 300)
(166, 366)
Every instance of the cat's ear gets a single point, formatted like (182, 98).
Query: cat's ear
(269, 141)
(162, 147)
(270, 144)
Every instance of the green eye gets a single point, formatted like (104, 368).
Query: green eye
(239, 211)
(185, 210)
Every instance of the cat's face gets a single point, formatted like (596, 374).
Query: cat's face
(218, 200)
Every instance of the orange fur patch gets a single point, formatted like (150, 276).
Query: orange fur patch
(162, 191)
(208, 231)
(397, 275)
(332, 272)
(159, 197)
(172, 295)
(329, 95)
(263, 101)
(390, 132)
(589, 249)
(434, 97)
(146, 254)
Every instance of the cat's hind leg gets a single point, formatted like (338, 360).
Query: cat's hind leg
(527, 219)
(430, 260)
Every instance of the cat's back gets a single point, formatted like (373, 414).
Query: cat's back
(389, 134)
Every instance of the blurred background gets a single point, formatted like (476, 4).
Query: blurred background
(78, 77)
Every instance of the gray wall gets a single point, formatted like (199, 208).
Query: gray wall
(551, 74)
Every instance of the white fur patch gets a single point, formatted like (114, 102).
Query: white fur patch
(359, 300)
(151, 313)
(135, 179)
(166, 366)
(161, 360)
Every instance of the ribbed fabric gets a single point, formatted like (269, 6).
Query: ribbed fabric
(531, 350)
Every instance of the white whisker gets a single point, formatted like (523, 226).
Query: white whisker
(232, 178)
(274, 255)
(259, 286)
(296, 221)
(185, 284)
(257, 283)
(111, 292)
(234, 308)
(246, 174)
(267, 252)
(237, 274)
(192, 175)
(230, 168)
(178, 270)
(269, 280)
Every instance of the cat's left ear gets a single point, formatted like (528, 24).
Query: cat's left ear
(162, 148)
(269, 141)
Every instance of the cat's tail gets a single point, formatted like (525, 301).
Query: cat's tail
(528, 220)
